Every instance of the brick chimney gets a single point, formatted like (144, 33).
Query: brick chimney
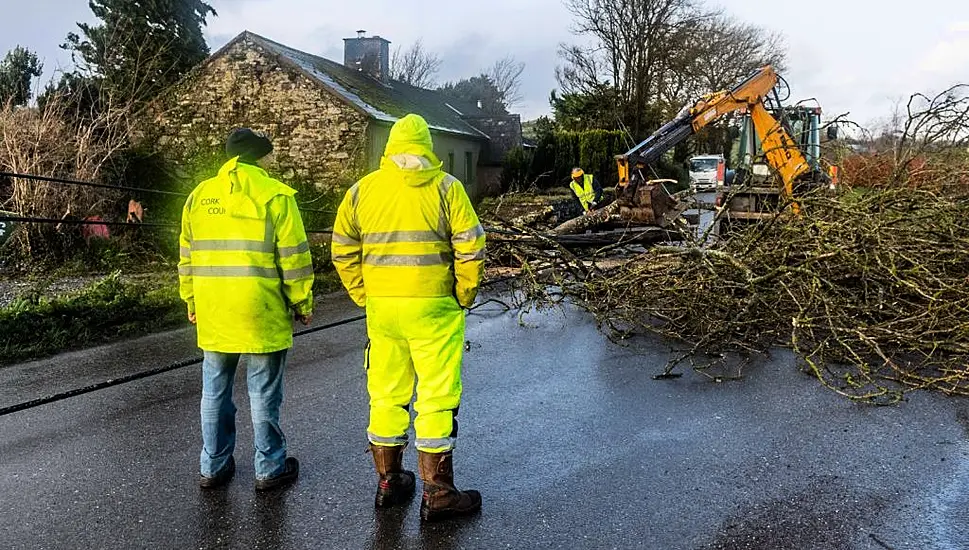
(368, 54)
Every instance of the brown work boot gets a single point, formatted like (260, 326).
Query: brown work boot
(396, 485)
(442, 499)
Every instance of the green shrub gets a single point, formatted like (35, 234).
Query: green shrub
(516, 170)
(594, 151)
(34, 326)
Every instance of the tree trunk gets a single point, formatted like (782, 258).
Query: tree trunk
(587, 221)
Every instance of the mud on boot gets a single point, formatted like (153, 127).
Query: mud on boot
(395, 485)
(442, 500)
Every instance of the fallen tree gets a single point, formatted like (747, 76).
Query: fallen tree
(870, 289)
(588, 220)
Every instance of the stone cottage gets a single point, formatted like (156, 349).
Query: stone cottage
(329, 121)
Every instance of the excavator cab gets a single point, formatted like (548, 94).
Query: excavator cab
(802, 123)
(754, 194)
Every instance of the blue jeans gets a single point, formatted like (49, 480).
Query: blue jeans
(265, 381)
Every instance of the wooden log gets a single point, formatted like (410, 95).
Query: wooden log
(588, 221)
(545, 213)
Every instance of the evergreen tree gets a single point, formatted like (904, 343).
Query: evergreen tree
(140, 47)
(17, 70)
(478, 88)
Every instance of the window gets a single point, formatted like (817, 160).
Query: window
(704, 164)
(450, 163)
(469, 167)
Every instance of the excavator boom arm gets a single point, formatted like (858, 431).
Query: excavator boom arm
(782, 152)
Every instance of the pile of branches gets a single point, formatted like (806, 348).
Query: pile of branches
(870, 289)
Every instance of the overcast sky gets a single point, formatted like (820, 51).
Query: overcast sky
(857, 56)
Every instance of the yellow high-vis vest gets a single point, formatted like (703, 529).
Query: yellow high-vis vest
(244, 261)
(408, 229)
(585, 192)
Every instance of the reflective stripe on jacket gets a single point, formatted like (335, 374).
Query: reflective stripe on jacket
(408, 229)
(244, 261)
(585, 192)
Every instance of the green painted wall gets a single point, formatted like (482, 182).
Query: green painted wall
(444, 144)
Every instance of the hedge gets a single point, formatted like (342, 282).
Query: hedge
(550, 163)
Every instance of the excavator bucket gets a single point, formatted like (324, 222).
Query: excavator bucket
(649, 203)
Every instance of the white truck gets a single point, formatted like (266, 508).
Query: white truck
(707, 173)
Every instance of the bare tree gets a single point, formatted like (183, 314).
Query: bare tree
(506, 74)
(655, 55)
(583, 72)
(716, 54)
(923, 143)
(633, 40)
(415, 66)
(936, 126)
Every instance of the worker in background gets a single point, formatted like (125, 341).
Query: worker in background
(586, 188)
(408, 246)
(245, 266)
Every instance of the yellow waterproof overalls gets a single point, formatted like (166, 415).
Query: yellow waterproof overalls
(408, 245)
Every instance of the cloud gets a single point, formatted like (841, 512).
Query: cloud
(950, 56)
(467, 41)
(959, 26)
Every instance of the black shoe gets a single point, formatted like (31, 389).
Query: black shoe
(289, 475)
(222, 477)
(394, 489)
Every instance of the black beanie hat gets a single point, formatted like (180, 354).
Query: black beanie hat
(249, 146)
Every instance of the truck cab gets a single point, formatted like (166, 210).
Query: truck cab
(707, 172)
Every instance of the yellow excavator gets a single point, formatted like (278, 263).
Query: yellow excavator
(646, 201)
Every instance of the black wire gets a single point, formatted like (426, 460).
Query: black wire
(145, 374)
(99, 386)
(331, 325)
(88, 184)
(330, 212)
(26, 219)
(184, 363)
(120, 187)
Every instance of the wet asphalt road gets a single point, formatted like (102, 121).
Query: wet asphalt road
(569, 439)
(706, 215)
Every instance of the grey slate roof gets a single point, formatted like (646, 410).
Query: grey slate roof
(383, 102)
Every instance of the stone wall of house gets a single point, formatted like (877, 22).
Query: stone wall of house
(320, 141)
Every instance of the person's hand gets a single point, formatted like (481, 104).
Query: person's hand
(191, 317)
(305, 319)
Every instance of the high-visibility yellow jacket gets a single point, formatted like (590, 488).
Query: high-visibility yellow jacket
(244, 261)
(408, 229)
(587, 192)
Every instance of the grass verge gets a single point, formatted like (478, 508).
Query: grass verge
(110, 309)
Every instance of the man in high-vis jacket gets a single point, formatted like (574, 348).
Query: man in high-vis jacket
(245, 266)
(408, 246)
(586, 189)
